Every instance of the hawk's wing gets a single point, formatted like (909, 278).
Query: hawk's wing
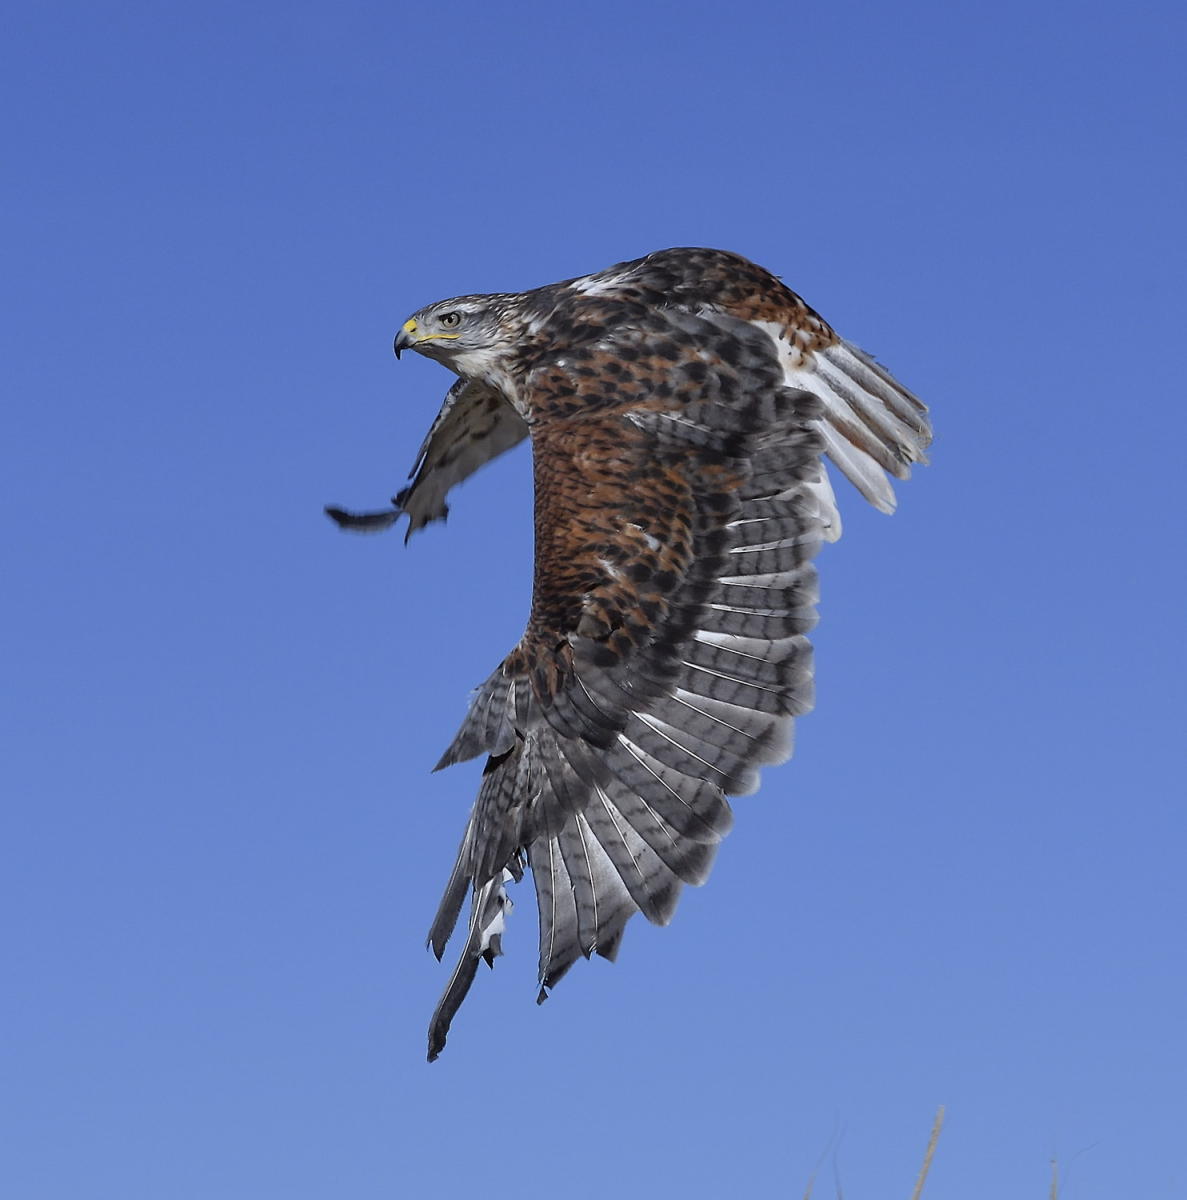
(680, 499)
(476, 423)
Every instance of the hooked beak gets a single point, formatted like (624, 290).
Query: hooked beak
(406, 338)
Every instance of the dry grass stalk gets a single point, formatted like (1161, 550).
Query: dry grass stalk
(931, 1150)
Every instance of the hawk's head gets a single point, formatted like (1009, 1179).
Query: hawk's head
(469, 334)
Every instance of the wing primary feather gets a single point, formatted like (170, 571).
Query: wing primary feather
(455, 894)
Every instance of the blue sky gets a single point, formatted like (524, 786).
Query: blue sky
(223, 844)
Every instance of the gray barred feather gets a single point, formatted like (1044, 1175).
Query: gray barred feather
(684, 858)
(603, 903)
(693, 806)
(652, 885)
(745, 622)
(488, 727)
(556, 899)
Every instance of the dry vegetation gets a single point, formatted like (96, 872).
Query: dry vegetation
(928, 1155)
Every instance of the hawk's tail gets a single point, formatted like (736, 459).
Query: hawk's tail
(872, 426)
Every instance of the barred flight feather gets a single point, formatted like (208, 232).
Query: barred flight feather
(692, 806)
(652, 886)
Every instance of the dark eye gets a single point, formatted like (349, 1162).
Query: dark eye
(450, 320)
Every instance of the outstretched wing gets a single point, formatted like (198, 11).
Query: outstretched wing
(680, 499)
(476, 423)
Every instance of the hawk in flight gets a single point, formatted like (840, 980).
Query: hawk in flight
(679, 407)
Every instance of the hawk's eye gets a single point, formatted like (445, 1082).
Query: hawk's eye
(450, 320)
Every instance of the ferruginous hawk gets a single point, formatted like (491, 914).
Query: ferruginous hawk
(679, 407)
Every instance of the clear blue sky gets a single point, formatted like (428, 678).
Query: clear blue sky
(222, 842)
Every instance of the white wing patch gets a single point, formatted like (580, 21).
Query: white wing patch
(602, 284)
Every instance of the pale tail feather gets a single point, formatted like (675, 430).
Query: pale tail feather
(873, 427)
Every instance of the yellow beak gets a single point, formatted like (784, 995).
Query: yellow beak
(407, 337)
